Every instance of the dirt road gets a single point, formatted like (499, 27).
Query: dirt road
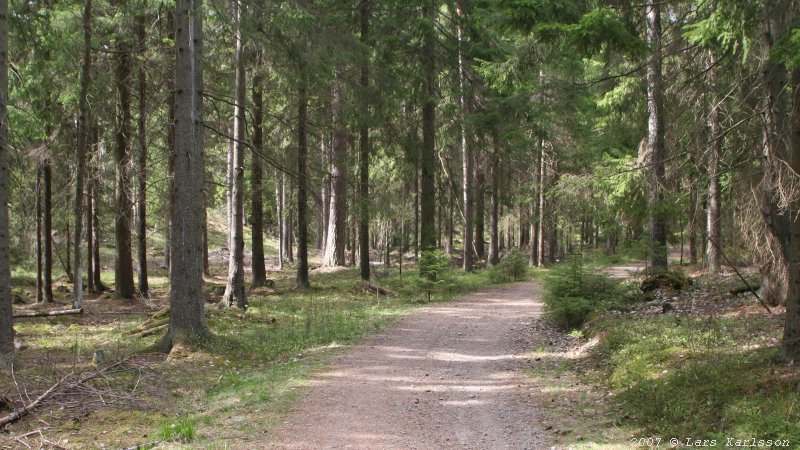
(445, 376)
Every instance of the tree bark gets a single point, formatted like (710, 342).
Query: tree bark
(38, 208)
(363, 149)
(257, 182)
(48, 231)
(279, 216)
(234, 290)
(337, 222)
(81, 150)
(480, 246)
(494, 226)
(427, 153)
(94, 196)
(187, 319)
(123, 267)
(6, 325)
(790, 346)
(141, 165)
(466, 152)
(302, 178)
(713, 217)
(655, 141)
(541, 226)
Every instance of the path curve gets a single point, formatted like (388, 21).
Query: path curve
(445, 376)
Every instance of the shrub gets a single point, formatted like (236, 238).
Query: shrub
(573, 294)
(433, 263)
(513, 267)
(180, 430)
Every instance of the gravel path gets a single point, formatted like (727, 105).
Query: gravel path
(445, 376)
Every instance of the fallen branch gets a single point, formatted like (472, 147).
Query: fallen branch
(58, 312)
(150, 331)
(380, 290)
(744, 289)
(62, 386)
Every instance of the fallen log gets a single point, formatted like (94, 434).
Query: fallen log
(58, 312)
(380, 290)
(150, 331)
(744, 289)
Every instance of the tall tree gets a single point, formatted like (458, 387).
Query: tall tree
(655, 140)
(257, 182)
(123, 262)
(6, 326)
(187, 319)
(363, 149)
(713, 215)
(302, 175)
(234, 291)
(141, 161)
(81, 149)
(428, 150)
(337, 223)
(466, 152)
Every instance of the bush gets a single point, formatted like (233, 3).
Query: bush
(513, 267)
(433, 263)
(573, 294)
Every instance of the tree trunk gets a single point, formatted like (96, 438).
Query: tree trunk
(48, 231)
(790, 346)
(6, 325)
(713, 217)
(466, 152)
(279, 216)
(337, 223)
(234, 290)
(427, 153)
(655, 141)
(187, 319)
(692, 220)
(90, 286)
(363, 149)
(94, 196)
(494, 226)
(38, 208)
(123, 267)
(325, 212)
(81, 150)
(480, 246)
(541, 226)
(141, 167)
(257, 183)
(302, 178)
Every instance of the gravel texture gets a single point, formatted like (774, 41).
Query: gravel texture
(445, 376)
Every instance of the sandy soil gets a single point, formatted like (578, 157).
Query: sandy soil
(446, 376)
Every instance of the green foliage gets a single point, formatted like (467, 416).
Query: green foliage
(180, 430)
(787, 50)
(702, 377)
(513, 267)
(573, 294)
(433, 263)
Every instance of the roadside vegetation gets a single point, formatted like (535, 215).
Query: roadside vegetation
(697, 363)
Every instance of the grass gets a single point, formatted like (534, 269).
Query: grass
(702, 377)
(231, 386)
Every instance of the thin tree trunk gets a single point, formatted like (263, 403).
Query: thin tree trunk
(48, 232)
(655, 140)
(81, 150)
(363, 149)
(257, 183)
(279, 216)
(234, 290)
(466, 152)
(187, 318)
(302, 178)
(94, 196)
(141, 167)
(90, 286)
(325, 199)
(480, 246)
(541, 226)
(714, 155)
(494, 228)
(337, 223)
(38, 207)
(6, 325)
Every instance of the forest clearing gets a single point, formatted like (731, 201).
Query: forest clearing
(411, 224)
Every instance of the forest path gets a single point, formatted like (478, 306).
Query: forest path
(445, 376)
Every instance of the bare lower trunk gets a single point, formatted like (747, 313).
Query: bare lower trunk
(655, 141)
(427, 153)
(123, 266)
(494, 226)
(234, 290)
(480, 246)
(187, 318)
(257, 183)
(48, 233)
(38, 208)
(713, 222)
(81, 150)
(302, 179)
(6, 325)
(337, 223)
(363, 149)
(141, 169)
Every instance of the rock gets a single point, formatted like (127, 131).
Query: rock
(98, 358)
